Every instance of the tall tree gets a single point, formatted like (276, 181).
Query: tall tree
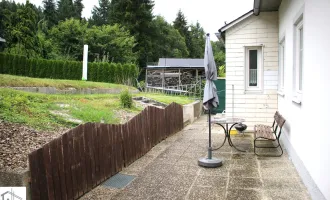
(78, 7)
(196, 41)
(111, 42)
(180, 23)
(50, 12)
(137, 17)
(69, 35)
(25, 30)
(100, 14)
(168, 41)
(65, 9)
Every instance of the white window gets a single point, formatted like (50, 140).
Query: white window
(281, 68)
(253, 69)
(299, 57)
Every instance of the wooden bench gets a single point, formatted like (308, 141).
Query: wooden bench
(269, 133)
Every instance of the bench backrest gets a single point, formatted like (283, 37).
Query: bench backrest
(279, 119)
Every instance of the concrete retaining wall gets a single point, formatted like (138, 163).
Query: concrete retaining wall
(191, 112)
(16, 179)
(53, 90)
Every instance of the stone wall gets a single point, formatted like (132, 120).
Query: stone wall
(191, 112)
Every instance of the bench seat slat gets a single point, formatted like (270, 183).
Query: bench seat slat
(264, 131)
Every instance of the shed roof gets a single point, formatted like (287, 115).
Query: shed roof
(2, 40)
(179, 63)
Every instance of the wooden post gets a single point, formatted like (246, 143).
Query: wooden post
(146, 81)
(179, 77)
(163, 79)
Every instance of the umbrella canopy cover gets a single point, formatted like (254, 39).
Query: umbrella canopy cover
(210, 98)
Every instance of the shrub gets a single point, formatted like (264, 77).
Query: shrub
(126, 100)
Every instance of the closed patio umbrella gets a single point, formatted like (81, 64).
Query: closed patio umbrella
(210, 99)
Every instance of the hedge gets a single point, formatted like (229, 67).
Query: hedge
(71, 70)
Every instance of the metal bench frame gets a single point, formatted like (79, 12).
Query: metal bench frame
(269, 134)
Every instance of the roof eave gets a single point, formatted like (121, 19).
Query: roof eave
(223, 29)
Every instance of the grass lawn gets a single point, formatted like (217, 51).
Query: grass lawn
(37, 110)
(21, 81)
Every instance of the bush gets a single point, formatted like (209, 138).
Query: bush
(126, 99)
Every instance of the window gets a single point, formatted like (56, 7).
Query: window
(253, 69)
(299, 58)
(281, 68)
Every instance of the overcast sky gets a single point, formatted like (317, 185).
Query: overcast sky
(211, 14)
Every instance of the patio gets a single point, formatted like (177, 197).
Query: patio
(170, 171)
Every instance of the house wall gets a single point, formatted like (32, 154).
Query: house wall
(306, 133)
(253, 31)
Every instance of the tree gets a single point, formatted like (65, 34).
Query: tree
(100, 15)
(180, 24)
(25, 30)
(168, 41)
(110, 43)
(219, 53)
(78, 7)
(50, 12)
(137, 17)
(196, 41)
(65, 9)
(69, 36)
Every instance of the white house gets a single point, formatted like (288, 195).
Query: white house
(277, 58)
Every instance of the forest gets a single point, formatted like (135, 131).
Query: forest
(118, 31)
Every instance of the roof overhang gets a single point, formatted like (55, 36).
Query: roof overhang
(265, 6)
(232, 23)
(258, 6)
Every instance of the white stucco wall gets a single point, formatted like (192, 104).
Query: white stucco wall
(253, 31)
(307, 123)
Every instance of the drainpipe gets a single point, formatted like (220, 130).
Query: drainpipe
(256, 7)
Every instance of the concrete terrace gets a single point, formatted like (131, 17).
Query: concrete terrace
(170, 171)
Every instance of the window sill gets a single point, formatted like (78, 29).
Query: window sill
(281, 93)
(296, 100)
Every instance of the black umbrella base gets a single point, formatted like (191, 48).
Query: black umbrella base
(210, 163)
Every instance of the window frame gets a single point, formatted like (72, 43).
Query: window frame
(259, 87)
(298, 59)
(281, 67)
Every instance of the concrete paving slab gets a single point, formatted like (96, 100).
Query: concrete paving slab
(243, 194)
(244, 183)
(210, 193)
(170, 171)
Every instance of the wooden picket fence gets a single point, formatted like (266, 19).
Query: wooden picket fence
(82, 158)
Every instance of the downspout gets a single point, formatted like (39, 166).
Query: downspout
(256, 7)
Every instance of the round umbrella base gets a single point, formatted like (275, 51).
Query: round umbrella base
(210, 163)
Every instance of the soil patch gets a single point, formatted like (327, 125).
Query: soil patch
(17, 141)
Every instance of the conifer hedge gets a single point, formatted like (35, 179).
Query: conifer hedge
(72, 70)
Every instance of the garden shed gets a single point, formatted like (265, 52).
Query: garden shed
(180, 75)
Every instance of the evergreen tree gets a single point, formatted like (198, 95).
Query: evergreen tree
(65, 9)
(100, 15)
(137, 17)
(25, 30)
(180, 23)
(196, 41)
(50, 12)
(78, 7)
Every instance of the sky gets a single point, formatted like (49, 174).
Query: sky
(211, 14)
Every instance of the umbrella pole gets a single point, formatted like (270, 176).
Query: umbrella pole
(209, 151)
